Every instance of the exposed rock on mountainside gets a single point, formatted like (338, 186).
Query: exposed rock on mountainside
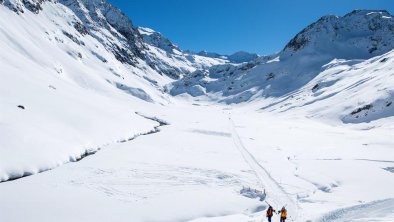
(18, 6)
(105, 22)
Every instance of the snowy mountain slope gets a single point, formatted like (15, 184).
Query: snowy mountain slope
(167, 58)
(327, 168)
(348, 90)
(157, 40)
(83, 61)
(76, 95)
(360, 34)
(107, 23)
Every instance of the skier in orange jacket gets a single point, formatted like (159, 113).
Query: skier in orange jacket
(283, 214)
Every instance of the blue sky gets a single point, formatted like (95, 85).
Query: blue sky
(227, 26)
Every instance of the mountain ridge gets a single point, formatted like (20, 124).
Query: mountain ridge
(360, 34)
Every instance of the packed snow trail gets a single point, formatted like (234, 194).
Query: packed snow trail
(276, 195)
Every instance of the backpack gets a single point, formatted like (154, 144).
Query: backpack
(270, 212)
(283, 213)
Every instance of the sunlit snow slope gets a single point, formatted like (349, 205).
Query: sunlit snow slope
(79, 69)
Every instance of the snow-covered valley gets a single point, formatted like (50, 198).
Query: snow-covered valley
(104, 121)
(194, 169)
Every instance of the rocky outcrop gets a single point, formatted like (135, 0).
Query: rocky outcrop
(19, 6)
(100, 16)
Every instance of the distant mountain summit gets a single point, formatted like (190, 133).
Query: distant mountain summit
(241, 56)
(358, 34)
(156, 39)
(238, 57)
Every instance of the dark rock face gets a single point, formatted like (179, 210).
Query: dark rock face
(297, 43)
(33, 6)
(81, 28)
(358, 110)
(16, 7)
(73, 38)
(20, 6)
(99, 16)
(122, 55)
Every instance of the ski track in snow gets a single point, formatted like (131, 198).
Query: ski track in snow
(275, 192)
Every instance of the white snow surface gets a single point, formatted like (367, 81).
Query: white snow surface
(195, 168)
(79, 86)
(97, 138)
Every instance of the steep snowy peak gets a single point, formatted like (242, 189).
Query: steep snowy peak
(241, 56)
(87, 34)
(167, 58)
(114, 30)
(156, 39)
(106, 23)
(210, 54)
(97, 18)
(100, 13)
(359, 34)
